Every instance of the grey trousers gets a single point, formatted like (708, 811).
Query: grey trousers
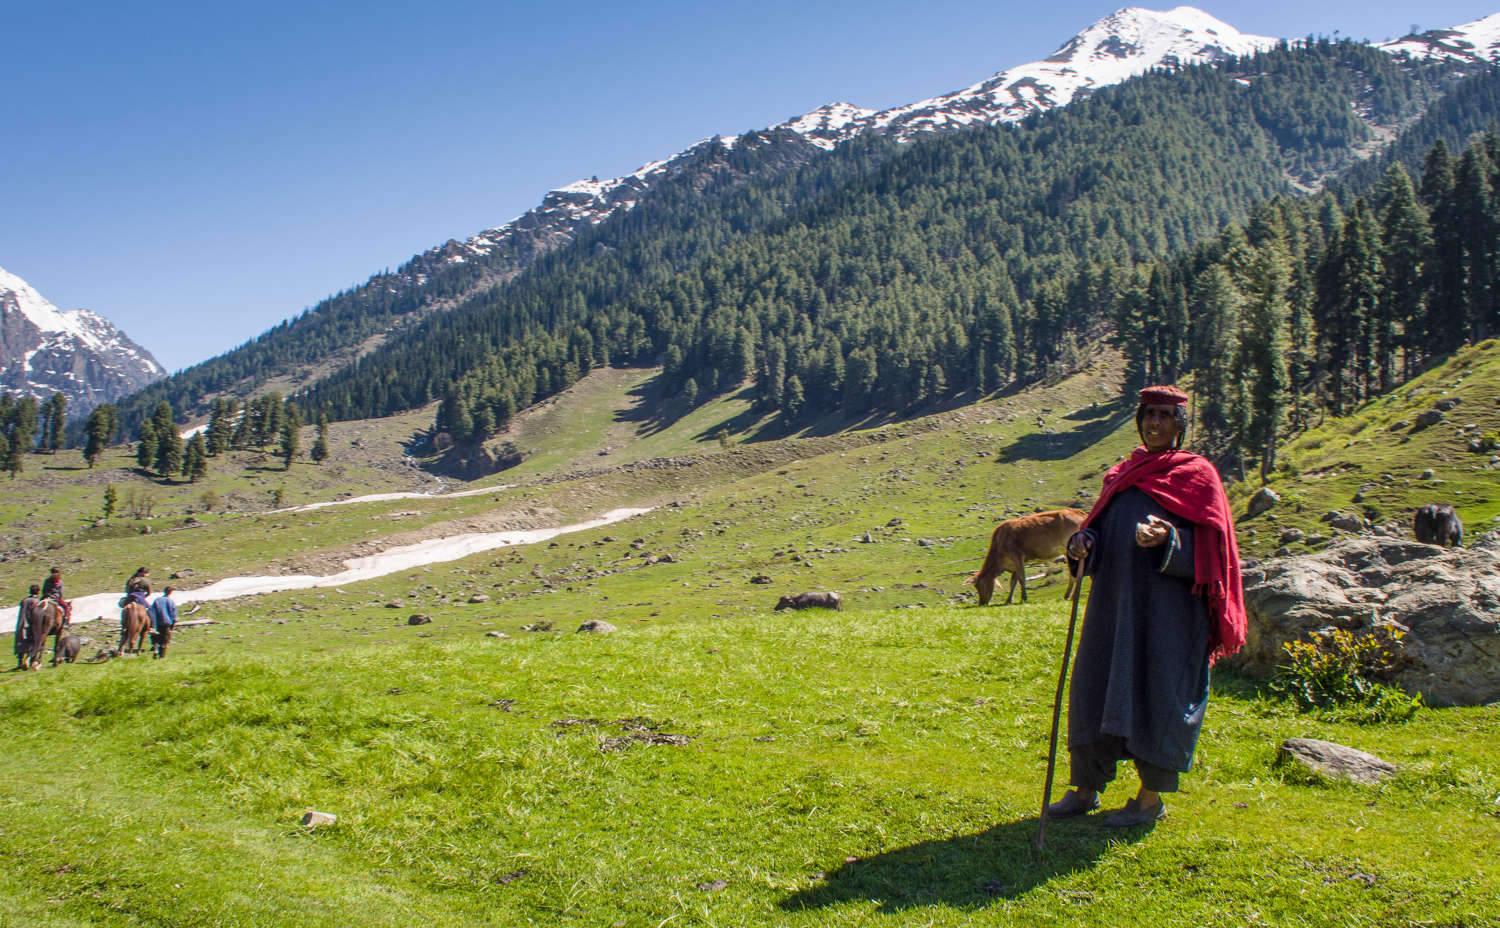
(1093, 767)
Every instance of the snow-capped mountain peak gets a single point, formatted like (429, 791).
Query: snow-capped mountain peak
(42, 314)
(1478, 41)
(79, 353)
(1124, 44)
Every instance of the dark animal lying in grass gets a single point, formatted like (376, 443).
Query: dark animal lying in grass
(811, 601)
(1436, 524)
(1036, 537)
(66, 649)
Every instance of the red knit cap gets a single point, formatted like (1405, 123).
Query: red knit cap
(1164, 396)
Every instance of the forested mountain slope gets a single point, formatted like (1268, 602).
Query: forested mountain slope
(879, 276)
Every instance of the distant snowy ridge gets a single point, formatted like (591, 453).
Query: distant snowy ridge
(1478, 41)
(78, 353)
(1122, 45)
(1129, 42)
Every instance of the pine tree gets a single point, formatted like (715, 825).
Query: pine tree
(97, 433)
(168, 440)
(244, 430)
(1447, 304)
(195, 458)
(1405, 242)
(145, 449)
(169, 452)
(56, 420)
(1264, 341)
(220, 426)
(291, 427)
(1480, 230)
(319, 451)
(1216, 311)
(273, 418)
(792, 401)
(111, 501)
(18, 425)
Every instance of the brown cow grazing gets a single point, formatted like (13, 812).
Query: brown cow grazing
(133, 624)
(1036, 537)
(1437, 524)
(811, 601)
(66, 649)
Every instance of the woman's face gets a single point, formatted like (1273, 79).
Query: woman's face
(1159, 427)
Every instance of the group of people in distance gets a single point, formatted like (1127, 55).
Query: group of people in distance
(162, 613)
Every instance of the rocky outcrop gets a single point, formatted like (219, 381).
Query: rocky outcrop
(1446, 600)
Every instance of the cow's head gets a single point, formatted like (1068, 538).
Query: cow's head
(984, 585)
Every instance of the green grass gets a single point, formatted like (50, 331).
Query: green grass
(880, 766)
(913, 743)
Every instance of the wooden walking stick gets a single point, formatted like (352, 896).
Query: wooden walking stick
(1062, 679)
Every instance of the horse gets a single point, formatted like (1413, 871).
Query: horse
(133, 624)
(48, 619)
(1036, 537)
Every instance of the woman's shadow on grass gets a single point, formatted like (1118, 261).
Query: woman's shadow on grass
(965, 870)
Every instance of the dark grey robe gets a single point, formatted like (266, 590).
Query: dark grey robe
(1142, 668)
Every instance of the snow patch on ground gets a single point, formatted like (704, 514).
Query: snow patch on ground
(405, 557)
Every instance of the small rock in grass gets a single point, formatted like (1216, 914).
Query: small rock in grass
(314, 818)
(597, 627)
(1263, 500)
(419, 618)
(712, 886)
(479, 598)
(1336, 761)
(496, 635)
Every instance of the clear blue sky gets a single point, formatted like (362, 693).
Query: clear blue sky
(198, 172)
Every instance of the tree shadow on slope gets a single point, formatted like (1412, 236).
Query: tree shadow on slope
(965, 871)
(757, 427)
(656, 411)
(1098, 423)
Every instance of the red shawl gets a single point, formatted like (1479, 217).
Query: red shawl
(1186, 485)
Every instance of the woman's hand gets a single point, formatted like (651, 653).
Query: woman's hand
(1079, 545)
(1152, 533)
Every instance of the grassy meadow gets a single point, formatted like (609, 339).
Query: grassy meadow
(712, 762)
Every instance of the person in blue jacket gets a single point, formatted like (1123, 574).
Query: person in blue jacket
(163, 619)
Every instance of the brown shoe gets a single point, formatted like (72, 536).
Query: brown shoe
(1070, 806)
(1133, 815)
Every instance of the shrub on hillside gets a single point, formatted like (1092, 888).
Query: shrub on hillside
(1340, 674)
